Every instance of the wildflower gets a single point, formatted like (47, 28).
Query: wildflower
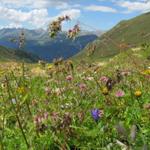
(110, 83)
(147, 106)
(66, 122)
(138, 93)
(66, 106)
(146, 72)
(74, 32)
(55, 116)
(96, 114)
(58, 91)
(14, 101)
(48, 91)
(50, 66)
(34, 102)
(39, 123)
(82, 87)
(21, 90)
(125, 73)
(37, 120)
(120, 93)
(89, 78)
(80, 116)
(42, 63)
(45, 115)
(104, 79)
(118, 75)
(105, 91)
(69, 78)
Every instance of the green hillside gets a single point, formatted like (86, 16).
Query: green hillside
(128, 33)
(7, 54)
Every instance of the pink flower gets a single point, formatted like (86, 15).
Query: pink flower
(104, 79)
(69, 78)
(82, 87)
(148, 76)
(120, 93)
(37, 119)
(55, 116)
(45, 115)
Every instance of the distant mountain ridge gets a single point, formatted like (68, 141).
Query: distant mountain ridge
(129, 33)
(38, 42)
(7, 54)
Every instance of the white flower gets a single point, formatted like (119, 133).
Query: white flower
(13, 101)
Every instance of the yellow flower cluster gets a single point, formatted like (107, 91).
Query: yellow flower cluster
(49, 66)
(138, 93)
(105, 91)
(146, 72)
(21, 90)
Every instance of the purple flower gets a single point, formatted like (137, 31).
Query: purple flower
(96, 114)
(120, 93)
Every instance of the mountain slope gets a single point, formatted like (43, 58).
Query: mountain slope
(7, 54)
(39, 43)
(126, 34)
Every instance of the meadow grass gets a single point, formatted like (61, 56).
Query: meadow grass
(84, 106)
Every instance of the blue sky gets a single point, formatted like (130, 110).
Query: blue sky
(90, 14)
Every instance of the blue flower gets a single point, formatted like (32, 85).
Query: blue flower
(96, 114)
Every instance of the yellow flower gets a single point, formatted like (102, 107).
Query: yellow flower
(138, 93)
(105, 91)
(21, 90)
(146, 72)
(50, 66)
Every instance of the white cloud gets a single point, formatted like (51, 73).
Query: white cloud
(100, 8)
(73, 13)
(36, 17)
(135, 6)
(34, 3)
(11, 25)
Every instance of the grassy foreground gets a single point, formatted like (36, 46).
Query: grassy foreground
(88, 106)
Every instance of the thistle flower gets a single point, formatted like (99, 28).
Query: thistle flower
(81, 116)
(119, 93)
(40, 118)
(69, 78)
(138, 93)
(104, 79)
(96, 114)
(66, 122)
(82, 87)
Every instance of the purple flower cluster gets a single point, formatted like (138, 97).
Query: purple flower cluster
(96, 114)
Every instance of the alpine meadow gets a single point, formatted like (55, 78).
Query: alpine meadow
(75, 75)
